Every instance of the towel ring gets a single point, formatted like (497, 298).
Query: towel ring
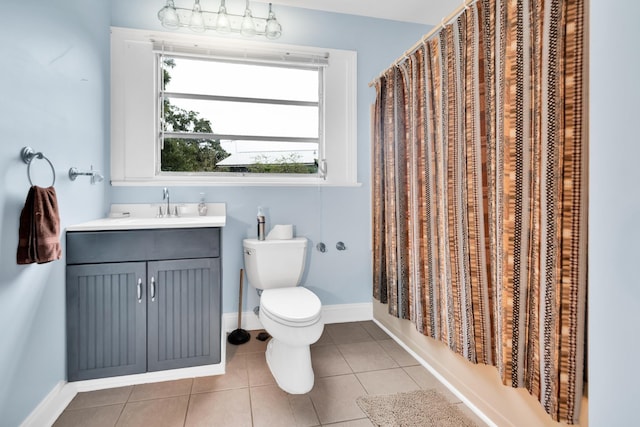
(28, 154)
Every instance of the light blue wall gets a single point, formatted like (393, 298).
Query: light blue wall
(328, 214)
(54, 74)
(55, 98)
(614, 210)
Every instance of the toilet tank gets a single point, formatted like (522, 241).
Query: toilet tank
(274, 263)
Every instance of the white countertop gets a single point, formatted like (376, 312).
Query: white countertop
(143, 216)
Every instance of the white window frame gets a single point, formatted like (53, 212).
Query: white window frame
(134, 154)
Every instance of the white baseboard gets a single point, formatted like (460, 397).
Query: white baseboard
(50, 408)
(250, 321)
(338, 313)
(63, 393)
(479, 386)
(147, 377)
(341, 313)
(438, 376)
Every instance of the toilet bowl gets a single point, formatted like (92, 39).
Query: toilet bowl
(291, 314)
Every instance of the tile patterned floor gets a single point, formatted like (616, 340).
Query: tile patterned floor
(349, 360)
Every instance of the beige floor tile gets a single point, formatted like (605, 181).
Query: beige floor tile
(270, 406)
(247, 395)
(109, 396)
(366, 356)
(387, 381)
(232, 351)
(374, 330)
(258, 370)
(426, 380)
(254, 345)
(303, 410)
(101, 416)
(328, 361)
(227, 408)
(161, 390)
(363, 422)
(168, 412)
(397, 353)
(346, 333)
(422, 377)
(236, 376)
(335, 398)
(325, 339)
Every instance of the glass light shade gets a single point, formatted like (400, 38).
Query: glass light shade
(200, 20)
(222, 22)
(248, 28)
(197, 20)
(169, 16)
(273, 29)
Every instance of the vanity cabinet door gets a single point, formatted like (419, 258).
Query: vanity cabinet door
(184, 313)
(106, 320)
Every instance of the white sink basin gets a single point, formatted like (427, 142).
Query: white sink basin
(143, 216)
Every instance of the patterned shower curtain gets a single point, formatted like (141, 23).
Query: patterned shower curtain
(480, 193)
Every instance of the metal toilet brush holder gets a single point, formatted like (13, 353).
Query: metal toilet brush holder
(239, 336)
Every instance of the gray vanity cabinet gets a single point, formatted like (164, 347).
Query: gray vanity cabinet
(180, 328)
(142, 300)
(106, 333)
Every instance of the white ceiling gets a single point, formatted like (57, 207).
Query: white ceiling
(428, 12)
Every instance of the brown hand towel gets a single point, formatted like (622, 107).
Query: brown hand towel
(39, 235)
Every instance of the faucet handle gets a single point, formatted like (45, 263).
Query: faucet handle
(160, 214)
(176, 212)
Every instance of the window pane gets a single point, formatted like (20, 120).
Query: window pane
(189, 155)
(198, 76)
(242, 118)
(269, 157)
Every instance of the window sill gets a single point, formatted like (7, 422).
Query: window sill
(235, 182)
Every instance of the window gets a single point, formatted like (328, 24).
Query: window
(238, 116)
(196, 110)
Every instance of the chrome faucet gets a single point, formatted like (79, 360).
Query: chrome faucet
(165, 195)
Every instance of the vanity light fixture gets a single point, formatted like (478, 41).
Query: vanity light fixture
(199, 20)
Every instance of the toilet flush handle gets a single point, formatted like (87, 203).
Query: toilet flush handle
(248, 251)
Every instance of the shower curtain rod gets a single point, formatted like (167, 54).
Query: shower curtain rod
(453, 15)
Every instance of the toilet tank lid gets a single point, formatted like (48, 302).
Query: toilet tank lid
(295, 304)
(254, 243)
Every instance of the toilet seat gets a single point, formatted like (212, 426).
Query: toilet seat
(296, 307)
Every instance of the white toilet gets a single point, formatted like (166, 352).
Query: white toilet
(289, 313)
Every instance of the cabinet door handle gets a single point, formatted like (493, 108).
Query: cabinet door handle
(153, 288)
(139, 290)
